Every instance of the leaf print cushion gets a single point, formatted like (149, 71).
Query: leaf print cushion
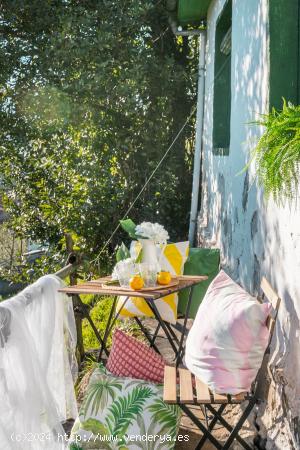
(124, 413)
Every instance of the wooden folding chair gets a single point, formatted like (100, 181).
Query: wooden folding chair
(192, 391)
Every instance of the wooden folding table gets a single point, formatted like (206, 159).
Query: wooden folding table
(98, 287)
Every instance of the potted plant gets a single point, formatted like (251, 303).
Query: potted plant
(277, 154)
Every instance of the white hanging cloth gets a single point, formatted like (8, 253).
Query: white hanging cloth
(37, 367)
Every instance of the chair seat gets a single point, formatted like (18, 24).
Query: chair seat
(191, 390)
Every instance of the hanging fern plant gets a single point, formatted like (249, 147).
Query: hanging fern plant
(277, 154)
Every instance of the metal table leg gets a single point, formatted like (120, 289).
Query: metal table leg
(157, 316)
(152, 343)
(106, 333)
(172, 333)
(147, 335)
(179, 354)
(110, 324)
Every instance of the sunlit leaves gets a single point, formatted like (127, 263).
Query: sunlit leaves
(92, 94)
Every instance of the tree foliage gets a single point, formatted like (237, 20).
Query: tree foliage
(91, 95)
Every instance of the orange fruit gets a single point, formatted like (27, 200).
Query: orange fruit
(164, 277)
(136, 282)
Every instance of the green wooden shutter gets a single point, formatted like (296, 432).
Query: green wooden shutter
(192, 11)
(222, 86)
(284, 51)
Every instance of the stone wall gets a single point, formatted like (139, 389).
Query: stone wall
(256, 237)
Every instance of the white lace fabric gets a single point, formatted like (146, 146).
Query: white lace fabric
(37, 367)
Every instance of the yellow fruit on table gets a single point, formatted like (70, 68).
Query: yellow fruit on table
(136, 282)
(164, 278)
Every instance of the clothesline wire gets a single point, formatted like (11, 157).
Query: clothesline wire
(96, 260)
(146, 183)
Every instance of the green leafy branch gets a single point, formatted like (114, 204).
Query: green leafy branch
(277, 154)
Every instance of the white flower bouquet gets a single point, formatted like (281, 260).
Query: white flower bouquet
(146, 230)
(153, 231)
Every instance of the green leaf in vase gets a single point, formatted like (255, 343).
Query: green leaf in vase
(139, 257)
(122, 252)
(129, 226)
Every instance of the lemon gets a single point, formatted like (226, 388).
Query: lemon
(164, 277)
(136, 282)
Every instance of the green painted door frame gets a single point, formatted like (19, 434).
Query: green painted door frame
(192, 12)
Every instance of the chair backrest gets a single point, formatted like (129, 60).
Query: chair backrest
(201, 261)
(270, 294)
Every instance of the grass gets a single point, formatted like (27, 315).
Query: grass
(99, 315)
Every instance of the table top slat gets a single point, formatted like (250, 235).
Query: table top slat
(96, 287)
(96, 290)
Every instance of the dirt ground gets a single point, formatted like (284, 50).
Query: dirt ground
(187, 426)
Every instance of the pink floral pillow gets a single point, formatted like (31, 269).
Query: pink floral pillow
(131, 358)
(227, 341)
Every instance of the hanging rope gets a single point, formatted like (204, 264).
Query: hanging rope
(146, 184)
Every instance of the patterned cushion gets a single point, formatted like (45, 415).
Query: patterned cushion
(123, 412)
(131, 358)
(173, 259)
(227, 341)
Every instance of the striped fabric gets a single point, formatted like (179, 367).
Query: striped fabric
(172, 260)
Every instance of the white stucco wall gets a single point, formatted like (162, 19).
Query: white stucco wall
(256, 237)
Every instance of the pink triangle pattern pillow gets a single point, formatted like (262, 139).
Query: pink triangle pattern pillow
(131, 358)
(228, 338)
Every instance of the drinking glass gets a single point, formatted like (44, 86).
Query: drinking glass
(124, 273)
(148, 272)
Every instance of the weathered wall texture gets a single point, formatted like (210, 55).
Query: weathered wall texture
(256, 238)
